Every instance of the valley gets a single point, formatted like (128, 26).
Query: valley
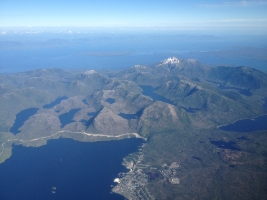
(177, 106)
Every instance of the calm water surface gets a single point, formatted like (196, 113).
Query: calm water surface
(111, 100)
(73, 170)
(96, 52)
(149, 91)
(21, 117)
(247, 125)
(66, 118)
(57, 101)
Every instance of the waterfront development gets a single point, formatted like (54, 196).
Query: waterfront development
(134, 184)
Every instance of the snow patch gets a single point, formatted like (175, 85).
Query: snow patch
(90, 72)
(171, 60)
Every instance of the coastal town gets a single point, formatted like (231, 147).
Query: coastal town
(134, 184)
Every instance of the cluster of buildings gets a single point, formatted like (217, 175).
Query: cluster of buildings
(170, 172)
(133, 184)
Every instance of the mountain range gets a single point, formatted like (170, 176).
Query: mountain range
(172, 96)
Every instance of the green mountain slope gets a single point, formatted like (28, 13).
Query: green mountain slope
(175, 104)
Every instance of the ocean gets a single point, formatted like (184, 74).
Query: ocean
(120, 51)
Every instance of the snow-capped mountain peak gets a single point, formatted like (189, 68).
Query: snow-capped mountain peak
(89, 72)
(171, 60)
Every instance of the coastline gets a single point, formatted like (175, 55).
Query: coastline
(253, 118)
(61, 134)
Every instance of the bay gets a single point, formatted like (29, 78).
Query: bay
(64, 169)
(149, 91)
(21, 117)
(56, 102)
(247, 125)
(67, 118)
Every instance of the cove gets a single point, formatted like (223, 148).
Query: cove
(131, 116)
(57, 101)
(111, 100)
(93, 115)
(149, 91)
(71, 169)
(225, 145)
(21, 117)
(66, 118)
(247, 125)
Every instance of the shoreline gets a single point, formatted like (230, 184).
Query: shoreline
(253, 118)
(136, 135)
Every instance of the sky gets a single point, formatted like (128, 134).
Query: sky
(233, 16)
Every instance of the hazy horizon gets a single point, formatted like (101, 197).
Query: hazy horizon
(228, 17)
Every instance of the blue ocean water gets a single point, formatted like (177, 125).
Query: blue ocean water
(64, 169)
(122, 51)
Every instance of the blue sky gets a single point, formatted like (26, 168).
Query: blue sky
(231, 16)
